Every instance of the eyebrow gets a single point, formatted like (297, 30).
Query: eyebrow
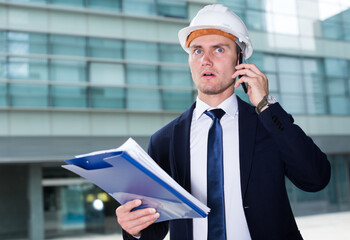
(213, 46)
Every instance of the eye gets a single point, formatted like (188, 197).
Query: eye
(219, 50)
(198, 51)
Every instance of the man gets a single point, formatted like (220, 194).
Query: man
(255, 147)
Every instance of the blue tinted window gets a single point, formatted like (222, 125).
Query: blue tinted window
(68, 96)
(107, 97)
(68, 71)
(289, 65)
(105, 48)
(172, 9)
(291, 83)
(175, 76)
(143, 98)
(256, 4)
(336, 86)
(339, 105)
(293, 103)
(28, 68)
(3, 67)
(23, 43)
(64, 45)
(142, 7)
(110, 5)
(316, 104)
(313, 67)
(346, 31)
(27, 95)
(256, 20)
(332, 30)
(142, 75)
(314, 84)
(172, 53)
(176, 99)
(33, 1)
(141, 51)
(74, 3)
(179, 98)
(3, 47)
(263, 61)
(3, 95)
(336, 67)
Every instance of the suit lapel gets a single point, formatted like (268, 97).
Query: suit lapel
(247, 121)
(181, 140)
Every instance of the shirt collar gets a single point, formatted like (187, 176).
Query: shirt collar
(230, 106)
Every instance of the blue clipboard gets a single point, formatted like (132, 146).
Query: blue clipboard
(125, 179)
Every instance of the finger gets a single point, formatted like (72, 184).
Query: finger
(138, 214)
(142, 221)
(137, 229)
(243, 79)
(128, 206)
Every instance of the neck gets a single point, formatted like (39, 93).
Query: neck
(215, 99)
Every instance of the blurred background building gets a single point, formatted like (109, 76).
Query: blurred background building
(84, 75)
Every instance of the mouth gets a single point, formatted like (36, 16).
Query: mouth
(208, 75)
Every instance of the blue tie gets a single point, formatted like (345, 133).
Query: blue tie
(215, 178)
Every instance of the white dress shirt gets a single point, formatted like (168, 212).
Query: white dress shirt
(236, 224)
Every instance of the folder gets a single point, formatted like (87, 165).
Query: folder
(129, 173)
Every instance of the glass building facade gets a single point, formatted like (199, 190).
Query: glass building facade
(83, 75)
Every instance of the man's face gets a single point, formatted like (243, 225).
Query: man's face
(212, 60)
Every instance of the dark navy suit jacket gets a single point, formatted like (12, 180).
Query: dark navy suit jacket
(271, 148)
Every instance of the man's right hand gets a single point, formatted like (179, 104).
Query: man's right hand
(135, 221)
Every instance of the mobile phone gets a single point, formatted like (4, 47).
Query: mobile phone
(244, 85)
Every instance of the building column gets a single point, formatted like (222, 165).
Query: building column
(36, 207)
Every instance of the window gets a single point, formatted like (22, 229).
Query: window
(107, 97)
(27, 68)
(141, 97)
(168, 8)
(176, 98)
(172, 53)
(107, 73)
(109, 5)
(25, 43)
(289, 65)
(64, 45)
(336, 67)
(256, 4)
(339, 105)
(3, 41)
(316, 104)
(256, 20)
(73, 3)
(141, 51)
(336, 86)
(293, 103)
(105, 48)
(68, 96)
(68, 71)
(142, 7)
(3, 95)
(3, 67)
(28, 95)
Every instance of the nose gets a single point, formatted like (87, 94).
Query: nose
(206, 59)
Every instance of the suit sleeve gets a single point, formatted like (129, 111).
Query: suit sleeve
(305, 164)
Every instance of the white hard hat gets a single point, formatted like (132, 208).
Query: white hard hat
(217, 16)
